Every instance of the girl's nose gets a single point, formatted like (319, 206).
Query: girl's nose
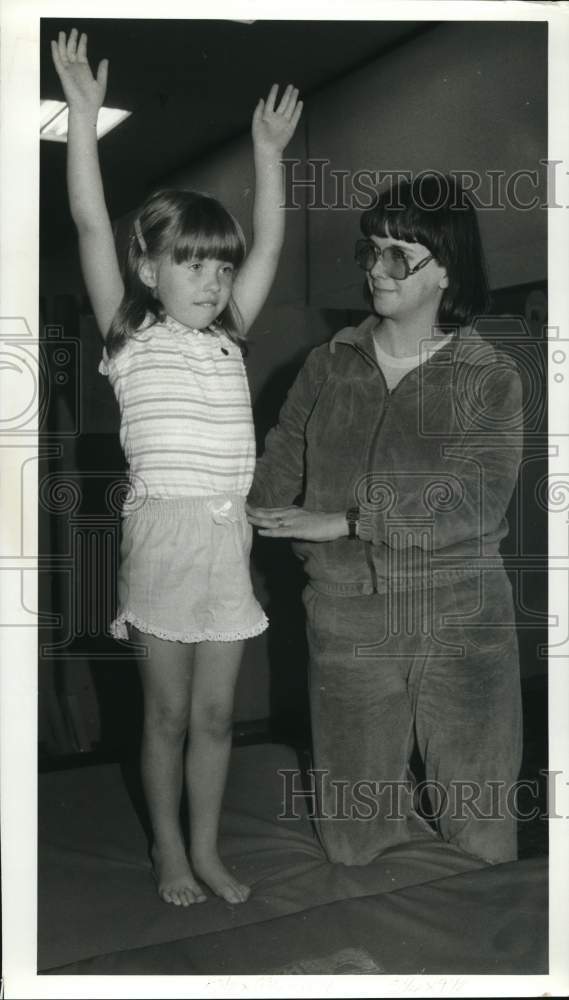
(212, 279)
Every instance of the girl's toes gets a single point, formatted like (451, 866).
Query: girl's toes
(211, 871)
(195, 895)
(231, 895)
(234, 892)
(242, 892)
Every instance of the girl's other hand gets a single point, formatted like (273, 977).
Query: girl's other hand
(273, 127)
(84, 93)
(296, 522)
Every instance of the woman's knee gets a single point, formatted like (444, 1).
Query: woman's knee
(493, 841)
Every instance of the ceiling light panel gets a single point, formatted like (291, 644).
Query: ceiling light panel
(54, 117)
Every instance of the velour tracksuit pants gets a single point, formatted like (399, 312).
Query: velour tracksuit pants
(436, 667)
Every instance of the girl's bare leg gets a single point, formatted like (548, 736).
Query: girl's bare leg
(166, 675)
(216, 667)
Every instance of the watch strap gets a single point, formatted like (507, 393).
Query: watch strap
(353, 517)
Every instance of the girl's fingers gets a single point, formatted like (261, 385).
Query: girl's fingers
(271, 97)
(102, 74)
(82, 49)
(56, 58)
(72, 45)
(291, 104)
(297, 113)
(258, 112)
(288, 110)
(288, 102)
(62, 47)
(287, 105)
(281, 110)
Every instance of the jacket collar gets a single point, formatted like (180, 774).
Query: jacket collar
(469, 347)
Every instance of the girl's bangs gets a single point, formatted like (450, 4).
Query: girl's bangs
(213, 242)
(202, 247)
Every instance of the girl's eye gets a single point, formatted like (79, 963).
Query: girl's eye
(398, 253)
(195, 265)
(227, 269)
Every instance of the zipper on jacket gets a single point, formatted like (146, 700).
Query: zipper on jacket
(368, 545)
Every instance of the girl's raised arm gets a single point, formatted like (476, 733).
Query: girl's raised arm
(272, 129)
(85, 94)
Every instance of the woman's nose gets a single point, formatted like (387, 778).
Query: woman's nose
(378, 269)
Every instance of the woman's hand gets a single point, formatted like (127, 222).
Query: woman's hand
(273, 128)
(84, 93)
(296, 522)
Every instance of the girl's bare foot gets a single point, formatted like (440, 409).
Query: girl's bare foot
(210, 869)
(174, 878)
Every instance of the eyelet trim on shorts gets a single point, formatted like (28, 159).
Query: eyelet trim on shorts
(119, 630)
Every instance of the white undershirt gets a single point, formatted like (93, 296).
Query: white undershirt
(394, 369)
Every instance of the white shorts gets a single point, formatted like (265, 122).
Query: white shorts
(184, 571)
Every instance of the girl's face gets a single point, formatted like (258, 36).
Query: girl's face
(194, 292)
(417, 295)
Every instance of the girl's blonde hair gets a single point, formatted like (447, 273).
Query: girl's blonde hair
(184, 225)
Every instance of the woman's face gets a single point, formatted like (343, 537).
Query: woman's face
(417, 295)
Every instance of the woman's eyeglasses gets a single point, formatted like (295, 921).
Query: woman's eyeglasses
(394, 260)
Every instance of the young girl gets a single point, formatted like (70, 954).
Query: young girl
(171, 322)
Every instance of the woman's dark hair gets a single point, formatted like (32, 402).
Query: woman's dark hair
(183, 225)
(432, 209)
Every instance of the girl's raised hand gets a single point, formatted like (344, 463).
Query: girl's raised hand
(84, 93)
(273, 127)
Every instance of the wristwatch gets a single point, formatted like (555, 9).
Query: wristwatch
(353, 517)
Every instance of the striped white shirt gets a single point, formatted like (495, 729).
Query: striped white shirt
(186, 420)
